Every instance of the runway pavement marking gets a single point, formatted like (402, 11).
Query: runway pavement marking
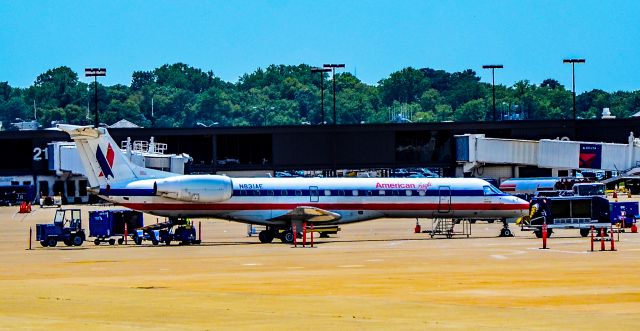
(504, 256)
(295, 267)
(251, 264)
(560, 251)
(351, 266)
(375, 260)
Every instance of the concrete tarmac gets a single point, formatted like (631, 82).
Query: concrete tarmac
(372, 275)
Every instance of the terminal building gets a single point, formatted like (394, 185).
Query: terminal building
(40, 159)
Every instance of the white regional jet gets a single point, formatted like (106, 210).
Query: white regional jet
(278, 203)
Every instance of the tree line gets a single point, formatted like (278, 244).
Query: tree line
(178, 95)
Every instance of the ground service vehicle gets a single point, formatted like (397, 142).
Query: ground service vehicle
(66, 227)
(181, 231)
(624, 211)
(572, 212)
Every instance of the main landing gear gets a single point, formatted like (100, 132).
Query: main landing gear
(267, 236)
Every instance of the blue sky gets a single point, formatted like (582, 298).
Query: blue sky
(373, 38)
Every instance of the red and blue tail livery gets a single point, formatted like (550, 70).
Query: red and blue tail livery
(106, 163)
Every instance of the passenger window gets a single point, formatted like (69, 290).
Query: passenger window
(422, 193)
(355, 193)
(408, 192)
(381, 192)
(327, 192)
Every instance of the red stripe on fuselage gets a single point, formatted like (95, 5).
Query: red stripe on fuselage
(326, 206)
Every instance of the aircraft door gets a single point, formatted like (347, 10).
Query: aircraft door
(444, 199)
(314, 194)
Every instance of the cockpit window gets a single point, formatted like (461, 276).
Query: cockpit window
(491, 190)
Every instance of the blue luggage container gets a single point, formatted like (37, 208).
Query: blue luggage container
(105, 224)
(627, 210)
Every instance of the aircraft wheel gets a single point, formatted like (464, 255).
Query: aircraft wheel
(506, 233)
(265, 236)
(287, 237)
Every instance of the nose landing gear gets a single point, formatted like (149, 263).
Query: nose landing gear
(505, 231)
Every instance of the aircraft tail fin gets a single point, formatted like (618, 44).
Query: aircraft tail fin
(101, 157)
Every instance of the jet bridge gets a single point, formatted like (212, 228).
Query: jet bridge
(476, 150)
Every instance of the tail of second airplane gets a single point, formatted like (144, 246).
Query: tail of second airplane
(103, 160)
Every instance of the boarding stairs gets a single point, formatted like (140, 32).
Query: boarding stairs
(447, 227)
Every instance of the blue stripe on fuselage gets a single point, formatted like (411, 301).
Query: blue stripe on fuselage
(350, 193)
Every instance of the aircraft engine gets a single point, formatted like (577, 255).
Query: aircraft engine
(195, 188)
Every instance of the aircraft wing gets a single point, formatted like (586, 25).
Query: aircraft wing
(308, 214)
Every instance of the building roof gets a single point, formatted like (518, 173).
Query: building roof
(124, 124)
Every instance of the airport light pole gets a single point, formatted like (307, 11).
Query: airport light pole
(95, 72)
(333, 67)
(573, 76)
(493, 68)
(322, 71)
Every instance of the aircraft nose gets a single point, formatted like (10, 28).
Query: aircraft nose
(522, 206)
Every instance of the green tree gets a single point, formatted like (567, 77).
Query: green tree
(140, 79)
(406, 85)
(429, 99)
(12, 109)
(474, 110)
(444, 112)
(57, 87)
(182, 76)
